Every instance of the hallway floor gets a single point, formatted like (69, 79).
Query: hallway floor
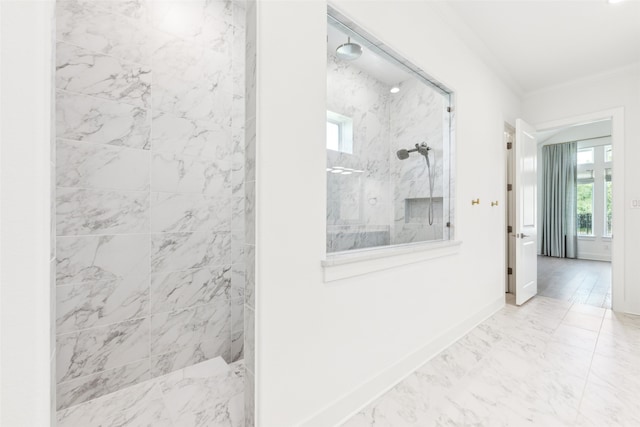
(209, 394)
(575, 280)
(547, 363)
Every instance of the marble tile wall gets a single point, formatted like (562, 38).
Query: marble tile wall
(52, 253)
(249, 248)
(150, 197)
(368, 209)
(418, 114)
(359, 204)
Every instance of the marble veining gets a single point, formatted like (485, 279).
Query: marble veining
(90, 73)
(189, 355)
(93, 350)
(149, 206)
(186, 174)
(90, 119)
(515, 369)
(208, 394)
(184, 251)
(191, 326)
(84, 24)
(87, 305)
(87, 259)
(101, 166)
(173, 212)
(85, 211)
(191, 81)
(181, 289)
(209, 401)
(250, 284)
(89, 387)
(205, 139)
(237, 346)
(137, 9)
(250, 336)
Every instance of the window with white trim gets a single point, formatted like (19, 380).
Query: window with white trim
(594, 191)
(339, 133)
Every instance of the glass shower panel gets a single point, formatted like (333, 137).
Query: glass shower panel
(393, 185)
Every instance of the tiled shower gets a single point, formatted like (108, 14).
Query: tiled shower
(375, 199)
(150, 197)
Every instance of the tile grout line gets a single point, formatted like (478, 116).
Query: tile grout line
(586, 381)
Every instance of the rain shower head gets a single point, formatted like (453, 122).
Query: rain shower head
(349, 51)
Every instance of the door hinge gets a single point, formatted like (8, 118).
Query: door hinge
(449, 224)
(448, 109)
(509, 187)
(509, 270)
(509, 229)
(509, 145)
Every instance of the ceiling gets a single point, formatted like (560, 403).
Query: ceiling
(541, 43)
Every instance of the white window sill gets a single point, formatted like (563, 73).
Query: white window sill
(586, 237)
(342, 265)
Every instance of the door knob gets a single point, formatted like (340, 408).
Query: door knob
(524, 235)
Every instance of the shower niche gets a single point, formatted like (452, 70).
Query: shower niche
(389, 145)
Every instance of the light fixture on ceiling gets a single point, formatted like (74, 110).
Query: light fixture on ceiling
(394, 89)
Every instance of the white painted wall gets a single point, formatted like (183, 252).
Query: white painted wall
(320, 345)
(576, 133)
(619, 88)
(26, 71)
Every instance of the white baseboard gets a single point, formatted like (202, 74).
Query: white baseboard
(348, 405)
(594, 257)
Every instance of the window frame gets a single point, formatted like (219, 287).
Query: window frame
(598, 180)
(345, 132)
(590, 181)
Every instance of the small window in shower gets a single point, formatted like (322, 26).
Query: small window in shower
(339, 133)
(389, 145)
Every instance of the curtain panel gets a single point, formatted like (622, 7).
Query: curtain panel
(559, 200)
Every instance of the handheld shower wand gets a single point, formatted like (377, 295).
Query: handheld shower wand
(423, 149)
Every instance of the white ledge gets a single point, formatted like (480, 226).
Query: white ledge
(341, 265)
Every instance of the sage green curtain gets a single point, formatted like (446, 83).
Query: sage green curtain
(558, 233)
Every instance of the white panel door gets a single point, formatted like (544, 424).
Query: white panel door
(526, 210)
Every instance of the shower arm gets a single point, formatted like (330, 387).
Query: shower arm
(418, 147)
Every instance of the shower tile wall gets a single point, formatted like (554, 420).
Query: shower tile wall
(150, 190)
(250, 216)
(418, 114)
(358, 205)
(52, 255)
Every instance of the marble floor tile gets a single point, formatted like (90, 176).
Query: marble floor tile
(604, 405)
(588, 309)
(584, 321)
(577, 337)
(512, 370)
(546, 363)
